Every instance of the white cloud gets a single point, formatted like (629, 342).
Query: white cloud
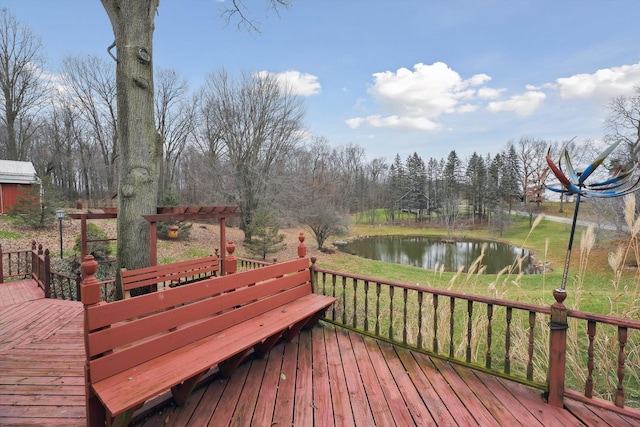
(298, 83)
(489, 93)
(412, 99)
(397, 122)
(602, 85)
(522, 105)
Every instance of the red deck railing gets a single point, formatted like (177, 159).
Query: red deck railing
(35, 263)
(565, 353)
(552, 348)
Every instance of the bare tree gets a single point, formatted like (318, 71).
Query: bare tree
(624, 124)
(91, 89)
(139, 145)
(259, 123)
(21, 85)
(175, 116)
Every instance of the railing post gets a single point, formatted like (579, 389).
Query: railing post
(47, 274)
(557, 349)
(302, 249)
(90, 297)
(230, 262)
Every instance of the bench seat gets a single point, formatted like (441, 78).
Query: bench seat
(140, 347)
(130, 388)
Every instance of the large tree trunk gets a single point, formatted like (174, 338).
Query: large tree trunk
(140, 146)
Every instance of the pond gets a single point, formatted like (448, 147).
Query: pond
(431, 251)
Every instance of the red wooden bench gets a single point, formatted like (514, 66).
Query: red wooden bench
(140, 347)
(174, 274)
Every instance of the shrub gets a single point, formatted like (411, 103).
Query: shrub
(99, 249)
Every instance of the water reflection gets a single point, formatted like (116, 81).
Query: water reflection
(429, 251)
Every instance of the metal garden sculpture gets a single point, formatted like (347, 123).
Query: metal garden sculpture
(574, 183)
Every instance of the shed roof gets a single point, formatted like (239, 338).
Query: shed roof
(14, 172)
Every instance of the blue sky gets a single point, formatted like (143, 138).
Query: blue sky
(397, 76)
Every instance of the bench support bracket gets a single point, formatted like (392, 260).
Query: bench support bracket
(182, 391)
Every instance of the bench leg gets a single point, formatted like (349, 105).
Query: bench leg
(297, 327)
(95, 412)
(182, 391)
(263, 348)
(314, 319)
(123, 419)
(228, 366)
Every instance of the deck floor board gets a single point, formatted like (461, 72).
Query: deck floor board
(326, 376)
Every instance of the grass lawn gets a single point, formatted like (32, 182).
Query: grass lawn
(591, 284)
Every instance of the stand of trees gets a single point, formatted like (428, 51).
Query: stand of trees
(239, 140)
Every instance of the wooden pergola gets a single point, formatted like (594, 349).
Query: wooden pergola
(163, 214)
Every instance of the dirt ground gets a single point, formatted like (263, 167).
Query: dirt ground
(203, 238)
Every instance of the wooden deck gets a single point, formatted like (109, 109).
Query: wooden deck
(327, 376)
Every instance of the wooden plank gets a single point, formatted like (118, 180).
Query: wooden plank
(265, 404)
(43, 422)
(19, 291)
(466, 395)
(181, 415)
(202, 414)
(339, 391)
(283, 414)
(229, 399)
(371, 385)
(243, 414)
(359, 404)
(420, 375)
(593, 416)
(414, 402)
(322, 404)
(506, 411)
(174, 272)
(392, 395)
(532, 398)
(303, 405)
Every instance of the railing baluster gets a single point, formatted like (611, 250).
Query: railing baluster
(622, 341)
(469, 328)
(391, 289)
(591, 333)
(378, 308)
(452, 306)
(366, 305)
(507, 342)
(420, 297)
(489, 335)
(405, 294)
(324, 283)
(532, 324)
(344, 300)
(333, 282)
(355, 299)
(435, 323)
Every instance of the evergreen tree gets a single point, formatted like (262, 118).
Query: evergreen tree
(477, 180)
(511, 177)
(265, 234)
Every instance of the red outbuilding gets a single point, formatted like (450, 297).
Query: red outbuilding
(16, 178)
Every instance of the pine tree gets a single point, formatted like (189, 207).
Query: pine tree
(265, 234)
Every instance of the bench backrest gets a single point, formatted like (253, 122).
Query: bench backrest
(171, 275)
(129, 332)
